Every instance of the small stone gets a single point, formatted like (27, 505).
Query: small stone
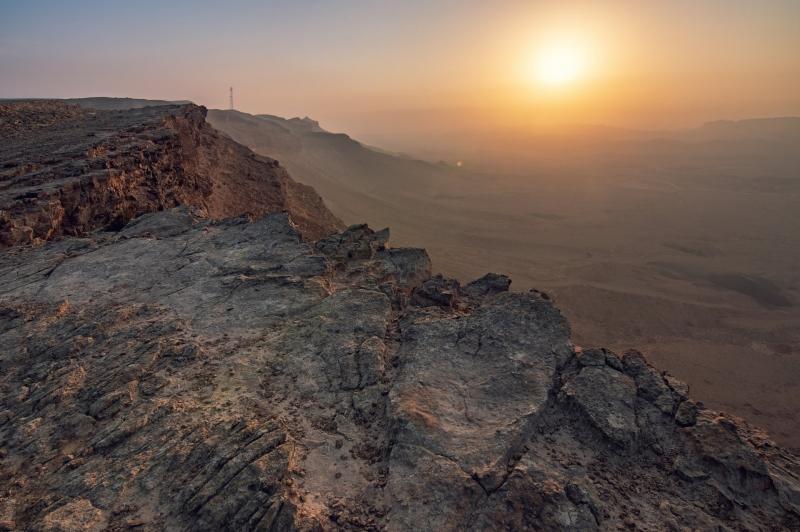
(437, 291)
(608, 398)
(634, 362)
(592, 357)
(665, 403)
(657, 448)
(576, 493)
(678, 386)
(614, 361)
(686, 415)
(688, 472)
(24, 392)
(489, 284)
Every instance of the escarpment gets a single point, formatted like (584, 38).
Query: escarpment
(65, 170)
(172, 370)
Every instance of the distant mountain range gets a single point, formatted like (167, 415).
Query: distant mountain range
(785, 130)
(782, 129)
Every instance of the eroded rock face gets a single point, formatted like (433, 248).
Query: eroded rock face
(191, 374)
(68, 171)
(607, 397)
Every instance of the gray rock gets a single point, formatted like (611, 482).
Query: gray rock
(436, 291)
(686, 415)
(650, 383)
(679, 388)
(355, 242)
(607, 397)
(489, 284)
(161, 225)
(665, 403)
(592, 357)
(613, 360)
(409, 267)
(196, 375)
(688, 471)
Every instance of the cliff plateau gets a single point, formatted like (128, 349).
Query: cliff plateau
(67, 170)
(163, 369)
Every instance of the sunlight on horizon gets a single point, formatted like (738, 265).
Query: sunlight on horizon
(559, 64)
(646, 65)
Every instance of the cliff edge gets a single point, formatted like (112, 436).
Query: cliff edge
(162, 369)
(67, 170)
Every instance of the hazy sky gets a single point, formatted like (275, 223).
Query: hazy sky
(374, 67)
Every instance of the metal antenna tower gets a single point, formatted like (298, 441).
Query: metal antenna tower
(230, 98)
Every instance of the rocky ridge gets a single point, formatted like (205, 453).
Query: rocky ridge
(67, 170)
(184, 373)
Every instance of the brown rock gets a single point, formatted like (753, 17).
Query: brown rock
(69, 171)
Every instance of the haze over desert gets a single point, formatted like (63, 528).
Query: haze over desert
(445, 265)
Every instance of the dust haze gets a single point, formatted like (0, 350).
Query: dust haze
(683, 243)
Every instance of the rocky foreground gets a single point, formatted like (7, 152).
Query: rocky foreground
(187, 374)
(66, 170)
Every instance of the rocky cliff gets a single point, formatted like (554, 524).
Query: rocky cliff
(65, 170)
(188, 374)
(177, 372)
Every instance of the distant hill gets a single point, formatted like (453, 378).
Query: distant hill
(357, 181)
(783, 129)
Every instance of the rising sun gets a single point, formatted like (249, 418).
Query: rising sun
(559, 64)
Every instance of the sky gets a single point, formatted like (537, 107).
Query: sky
(376, 68)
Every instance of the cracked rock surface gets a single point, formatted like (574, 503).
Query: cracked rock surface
(188, 374)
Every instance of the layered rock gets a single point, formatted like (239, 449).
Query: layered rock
(184, 373)
(65, 170)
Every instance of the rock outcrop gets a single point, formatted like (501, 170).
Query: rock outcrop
(163, 368)
(189, 374)
(65, 170)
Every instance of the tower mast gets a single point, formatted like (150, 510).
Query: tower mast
(230, 98)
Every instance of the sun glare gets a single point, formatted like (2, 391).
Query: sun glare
(559, 61)
(559, 64)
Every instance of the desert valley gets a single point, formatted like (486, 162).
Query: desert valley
(683, 244)
(389, 266)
